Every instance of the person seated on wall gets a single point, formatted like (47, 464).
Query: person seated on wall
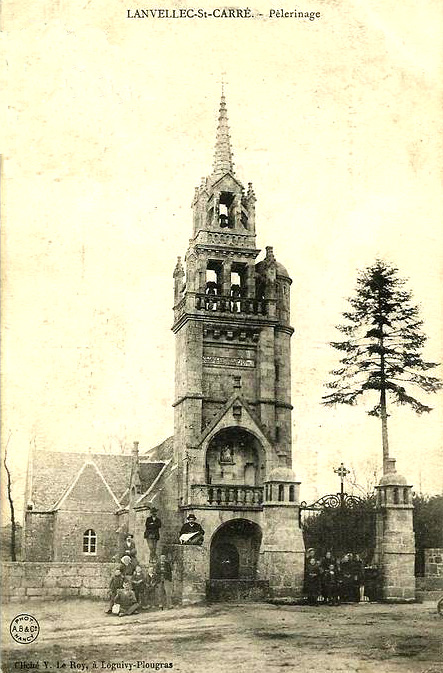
(114, 587)
(127, 566)
(129, 548)
(191, 532)
(126, 601)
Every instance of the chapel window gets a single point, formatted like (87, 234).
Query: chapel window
(89, 541)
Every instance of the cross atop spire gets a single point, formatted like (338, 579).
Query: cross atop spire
(223, 153)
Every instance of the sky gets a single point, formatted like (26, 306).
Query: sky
(109, 126)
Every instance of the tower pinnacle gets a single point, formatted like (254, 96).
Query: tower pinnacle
(223, 153)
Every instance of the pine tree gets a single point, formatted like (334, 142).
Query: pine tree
(382, 346)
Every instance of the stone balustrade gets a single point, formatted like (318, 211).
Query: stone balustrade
(218, 303)
(227, 495)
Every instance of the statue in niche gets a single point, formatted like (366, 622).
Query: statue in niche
(227, 454)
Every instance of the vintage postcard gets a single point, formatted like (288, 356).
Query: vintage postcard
(221, 333)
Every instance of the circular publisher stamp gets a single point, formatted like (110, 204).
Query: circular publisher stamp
(24, 629)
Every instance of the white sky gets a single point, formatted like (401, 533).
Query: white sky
(110, 125)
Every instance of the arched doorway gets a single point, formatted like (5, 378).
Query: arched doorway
(235, 548)
(224, 561)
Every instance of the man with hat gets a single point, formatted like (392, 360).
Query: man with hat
(152, 532)
(129, 546)
(191, 532)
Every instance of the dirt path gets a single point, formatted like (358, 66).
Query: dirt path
(251, 638)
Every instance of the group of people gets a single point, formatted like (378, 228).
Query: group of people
(332, 580)
(133, 589)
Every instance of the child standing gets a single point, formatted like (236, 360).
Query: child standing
(139, 584)
(331, 585)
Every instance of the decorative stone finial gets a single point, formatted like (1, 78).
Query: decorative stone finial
(390, 465)
(250, 195)
(178, 271)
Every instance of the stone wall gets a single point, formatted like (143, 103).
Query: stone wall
(38, 536)
(50, 581)
(69, 528)
(433, 562)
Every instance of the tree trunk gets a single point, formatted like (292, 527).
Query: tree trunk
(383, 412)
(11, 506)
(384, 429)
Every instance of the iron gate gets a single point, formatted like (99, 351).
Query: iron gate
(340, 523)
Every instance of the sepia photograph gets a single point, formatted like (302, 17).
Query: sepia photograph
(221, 337)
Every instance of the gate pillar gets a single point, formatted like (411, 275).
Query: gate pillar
(395, 540)
(282, 550)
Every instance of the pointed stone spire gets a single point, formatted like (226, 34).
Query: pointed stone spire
(223, 153)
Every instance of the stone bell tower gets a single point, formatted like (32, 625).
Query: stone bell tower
(232, 424)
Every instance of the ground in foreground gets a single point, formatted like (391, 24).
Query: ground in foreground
(370, 638)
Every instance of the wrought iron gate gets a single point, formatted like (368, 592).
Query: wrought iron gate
(340, 523)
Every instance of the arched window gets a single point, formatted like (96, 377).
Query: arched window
(89, 542)
(281, 492)
(406, 495)
(396, 501)
(292, 493)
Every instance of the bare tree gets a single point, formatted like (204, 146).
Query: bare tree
(363, 478)
(10, 499)
(117, 443)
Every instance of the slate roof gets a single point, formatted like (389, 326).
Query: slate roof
(54, 471)
(163, 451)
